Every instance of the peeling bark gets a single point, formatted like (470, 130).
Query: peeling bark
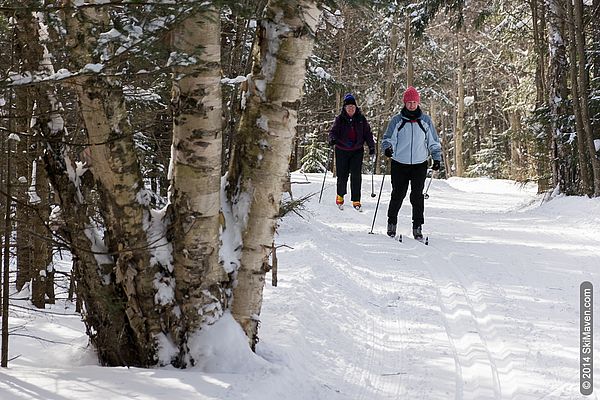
(196, 179)
(114, 172)
(264, 143)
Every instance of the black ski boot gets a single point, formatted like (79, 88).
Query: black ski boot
(391, 230)
(417, 232)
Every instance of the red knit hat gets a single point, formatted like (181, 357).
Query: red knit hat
(411, 94)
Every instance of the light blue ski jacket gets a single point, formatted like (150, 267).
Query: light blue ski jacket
(409, 142)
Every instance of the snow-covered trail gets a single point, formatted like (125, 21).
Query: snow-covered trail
(489, 310)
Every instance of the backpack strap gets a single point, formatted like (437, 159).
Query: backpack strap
(401, 125)
(404, 121)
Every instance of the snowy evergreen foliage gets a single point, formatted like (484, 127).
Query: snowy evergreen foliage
(316, 155)
(489, 162)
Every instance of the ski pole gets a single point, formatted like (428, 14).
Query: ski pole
(372, 173)
(377, 206)
(325, 175)
(426, 196)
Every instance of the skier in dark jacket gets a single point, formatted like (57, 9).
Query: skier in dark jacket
(409, 140)
(349, 133)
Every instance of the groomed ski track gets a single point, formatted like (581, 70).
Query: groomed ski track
(488, 310)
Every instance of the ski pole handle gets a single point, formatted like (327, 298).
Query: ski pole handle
(426, 196)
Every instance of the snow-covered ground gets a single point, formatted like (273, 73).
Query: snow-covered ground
(489, 310)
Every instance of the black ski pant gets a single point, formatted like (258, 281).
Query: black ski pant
(402, 175)
(349, 163)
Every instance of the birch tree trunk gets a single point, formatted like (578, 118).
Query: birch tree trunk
(143, 303)
(124, 270)
(260, 162)
(196, 177)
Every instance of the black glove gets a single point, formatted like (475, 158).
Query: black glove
(332, 142)
(436, 165)
(388, 152)
(371, 151)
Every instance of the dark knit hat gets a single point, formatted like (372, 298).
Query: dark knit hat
(349, 99)
(411, 94)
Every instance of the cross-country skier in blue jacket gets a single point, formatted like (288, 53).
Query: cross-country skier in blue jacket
(409, 140)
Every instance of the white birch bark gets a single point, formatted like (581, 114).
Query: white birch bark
(264, 143)
(107, 325)
(115, 170)
(195, 173)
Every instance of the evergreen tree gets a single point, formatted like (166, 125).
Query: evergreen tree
(316, 155)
